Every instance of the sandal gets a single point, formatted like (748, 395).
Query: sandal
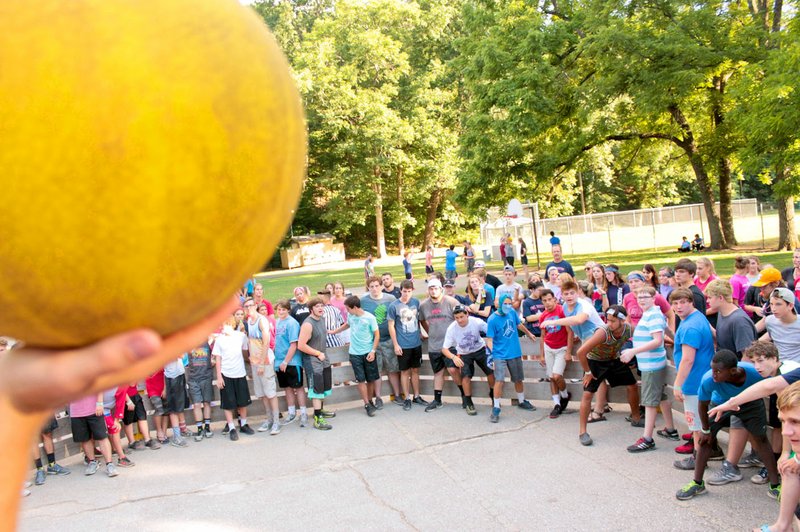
(607, 409)
(594, 417)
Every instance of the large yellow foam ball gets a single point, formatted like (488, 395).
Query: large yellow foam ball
(151, 155)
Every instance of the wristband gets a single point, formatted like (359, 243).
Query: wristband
(98, 403)
(587, 373)
(705, 431)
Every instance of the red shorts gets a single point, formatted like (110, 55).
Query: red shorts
(110, 425)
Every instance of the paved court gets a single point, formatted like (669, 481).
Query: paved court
(402, 471)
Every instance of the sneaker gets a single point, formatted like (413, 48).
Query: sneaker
(585, 439)
(138, 445)
(716, 454)
(125, 462)
(291, 419)
(407, 405)
(774, 492)
(40, 477)
(276, 429)
(245, 429)
(555, 412)
(686, 448)
(471, 410)
(327, 414)
(760, 477)
(57, 469)
(379, 403)
(265, 426)
(526, 405)
(463, 402)
(565, 401)
(207, 432)
(638, 423)
(670, 434)
(687, 437)
(25, 492)
(233, 434)
(420, 401)
(226, 429)
(198, 436)
(178, 441)
(153, 444)
(494, 417)
(399, 401)
(641, 446)
(687, 464)
(91, 468)
(728, 473)
(321, 424)
(111, 470)
(433, 405)
(690, 490)
(751, 460)
(186, 433)
(303, 419)
(370, 408)
(163, 441)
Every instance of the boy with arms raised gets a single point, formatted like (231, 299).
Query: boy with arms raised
(555, 345)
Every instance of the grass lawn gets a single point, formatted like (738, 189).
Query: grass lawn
(279, 286)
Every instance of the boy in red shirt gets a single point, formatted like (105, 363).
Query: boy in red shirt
(136, 413)
(154, 385)
(556, 344)
(113, 412)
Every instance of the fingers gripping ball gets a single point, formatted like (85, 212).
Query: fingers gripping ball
(152, 155)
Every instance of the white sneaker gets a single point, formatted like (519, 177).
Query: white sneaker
(111, 470)
(276, 429)
(91, 468)
(291, 418)
(264, 426)
(303, 420)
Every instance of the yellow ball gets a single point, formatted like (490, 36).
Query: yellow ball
(151, 156)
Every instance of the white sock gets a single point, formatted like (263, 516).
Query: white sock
(497, 403)
(231, 426)
(563, 393)
(292, 410)
(521, 396)
(276, 415)
(242, 421)
(557, 399)
(302, 410)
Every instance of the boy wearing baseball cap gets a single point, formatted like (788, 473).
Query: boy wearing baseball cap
(782, 326)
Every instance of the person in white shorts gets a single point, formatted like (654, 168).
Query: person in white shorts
(556, 345)
(265, 384)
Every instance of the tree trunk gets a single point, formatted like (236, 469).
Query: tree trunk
(401, 241)
(430, 219)
(379, 229)
(703, 184)
(726, 202)
(787, 235)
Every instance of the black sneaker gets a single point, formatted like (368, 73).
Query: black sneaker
(565, 401)
(433, 405)
(370, 408)
(232, 434)
(670, 434)
(407, 404)
(420, 401)
(226, 429)
(247, 430)
(198, 436)
(555, 412)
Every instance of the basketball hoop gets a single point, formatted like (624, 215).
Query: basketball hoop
(514, 209)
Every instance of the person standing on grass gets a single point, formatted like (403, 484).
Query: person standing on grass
(450, 257)
(523, 257)
(559, 263)
(429, 260)
(407, 271)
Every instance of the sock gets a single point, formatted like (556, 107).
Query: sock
(491, 394)
(275, 416)
(557, 399)
(521, 397)
(496, 403)
(437, 395)
(302, 410)
(461, 389)
(317, 412)
(648, 439)
(292, 410)
(51, 458)
(207, 423)
(563, 393)
(242, 421)
(176, 431)
(182, 426)
(468, 399)
(199, 425)
(773, 486)
(231, 426)
(38, 463)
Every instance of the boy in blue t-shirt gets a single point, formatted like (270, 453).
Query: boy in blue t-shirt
(289, 363)
(364, 339)
(724, 380)
(450, 257)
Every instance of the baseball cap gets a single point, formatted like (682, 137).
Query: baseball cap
(459, 309)
(785, 294)
(449, 282)
(434, 283)
(768, 275)
(480, 264)
(508, 268)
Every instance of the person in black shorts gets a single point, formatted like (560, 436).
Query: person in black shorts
(135, 412)
(288, 363)
(53, 468)
(403, 317)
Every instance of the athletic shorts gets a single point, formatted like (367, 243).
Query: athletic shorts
(411, 358)
(439, 361)
(291, 378)
(409, 276)
(691, 412)
(752, 415)
(386, 358)
(653, 387)
(511, 368)
(50, 426)
(428, 269)
(88, 428)
(613, 371)
(478, 357)
(318, 374)
(524, 260)
(265, 385)
(772, 412)
(158, 405)
(235, 394)
(363, 369)
(201, 390)
(555, 359)
(110, 425)
(137, 414)
(177, 401)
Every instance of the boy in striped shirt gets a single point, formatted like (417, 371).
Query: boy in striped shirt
(648, 348)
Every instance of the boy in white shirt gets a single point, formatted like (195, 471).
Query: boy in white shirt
(232, 376)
